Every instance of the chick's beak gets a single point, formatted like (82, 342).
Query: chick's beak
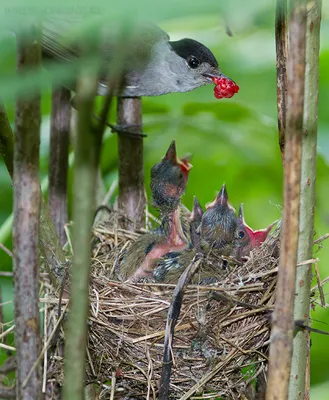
(184, 164)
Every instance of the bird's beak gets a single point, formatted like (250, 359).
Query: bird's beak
(217, 75)
(258, 237)
(184, 163)
(171, 156)
(197, 211)
(221, 199)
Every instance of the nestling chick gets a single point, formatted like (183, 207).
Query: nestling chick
(172, 265)
(168, 183)
(168, 180)
(143, 255)
(195, 223)
(248, 239)
(219, 225)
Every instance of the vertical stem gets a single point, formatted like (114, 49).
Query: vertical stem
(26, 223)
(58, 159)
(131, 166)
(48, 239)
(307, 200)
(87, 153)
(83, 208)
(281, 40)
(283, 322)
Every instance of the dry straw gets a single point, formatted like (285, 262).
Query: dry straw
(221, 338)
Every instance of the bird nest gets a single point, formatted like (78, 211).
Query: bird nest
(221, 334)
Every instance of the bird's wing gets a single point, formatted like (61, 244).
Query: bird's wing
(54, 40)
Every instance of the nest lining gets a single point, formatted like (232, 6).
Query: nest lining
(221, 337)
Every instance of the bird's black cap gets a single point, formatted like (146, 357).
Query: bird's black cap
(189, 47)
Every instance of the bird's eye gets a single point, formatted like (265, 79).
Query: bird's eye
(241, 234)
(193, 62)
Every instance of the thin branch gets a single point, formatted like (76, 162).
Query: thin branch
(45, 347)
(27, 196)
(58, 158)
(321, 239)
(283, 321)
(281, 41)
(307, 201)
(48, 239)
(172, 318)
(6, 250)
(131, 199)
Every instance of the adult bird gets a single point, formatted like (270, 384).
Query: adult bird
(151, 64)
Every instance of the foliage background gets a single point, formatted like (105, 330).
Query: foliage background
(233, 141)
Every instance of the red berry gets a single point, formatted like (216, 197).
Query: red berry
(225, 87)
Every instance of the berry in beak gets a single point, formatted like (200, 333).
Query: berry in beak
(224, 86)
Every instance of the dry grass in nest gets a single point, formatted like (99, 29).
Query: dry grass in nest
(221, 337)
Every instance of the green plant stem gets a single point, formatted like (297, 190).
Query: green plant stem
(27, 196)
(87, 153)
(301, 346)
(283, 318)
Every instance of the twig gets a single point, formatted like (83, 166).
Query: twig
(281, 41)
(6, 347)
(209, 375)
(6, 250)
(5, 273)
(5, 333)
(322, 283)
(307, 199)
(172, 318)
(321, 239)
(45, 358)
(46, 345)
(59, 157)
(283, 321)
(113, 382)
(317, 274)
(99, 215)
(27, 196)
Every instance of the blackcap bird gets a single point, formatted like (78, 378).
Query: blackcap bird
(151, 64)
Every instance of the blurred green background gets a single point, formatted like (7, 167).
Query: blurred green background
(233, 141)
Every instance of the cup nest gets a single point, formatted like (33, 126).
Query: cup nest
(221, 339)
